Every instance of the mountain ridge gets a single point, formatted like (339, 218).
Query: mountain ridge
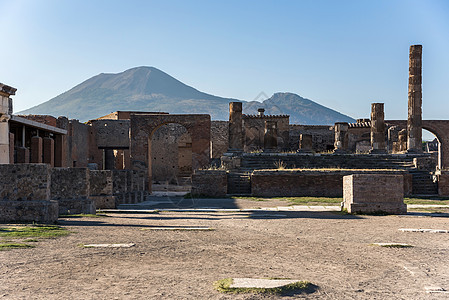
(150, 89)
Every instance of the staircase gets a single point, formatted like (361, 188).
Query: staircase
(260, 161)
(239, 184)
(423, 183)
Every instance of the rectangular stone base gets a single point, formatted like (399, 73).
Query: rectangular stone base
(76, 206)
(373, 208)
(374, 193)
(104, 201)
(131, 197)
(40, 211)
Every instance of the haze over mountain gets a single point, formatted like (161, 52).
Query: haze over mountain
(149, 89)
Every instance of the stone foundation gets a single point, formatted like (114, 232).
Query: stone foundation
(310, 183)
(213, 183)
(71, 188)
(128, 187)
(374, 193)
(39, 211)
(25, 194)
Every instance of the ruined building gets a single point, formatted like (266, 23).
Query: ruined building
(55, 165)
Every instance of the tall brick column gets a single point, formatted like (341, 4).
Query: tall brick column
(377, 128)
(235, 127)
(340, 143)
(48, 150)
(36, 149)
(5, 114)
(414, 121)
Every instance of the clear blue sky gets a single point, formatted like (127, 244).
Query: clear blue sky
(342, 54)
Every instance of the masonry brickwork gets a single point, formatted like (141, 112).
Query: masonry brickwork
(372, 193)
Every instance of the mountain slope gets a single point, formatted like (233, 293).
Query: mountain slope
(301, 110)
(149, 89)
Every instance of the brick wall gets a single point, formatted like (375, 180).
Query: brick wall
(306, 183)
(374, 193)
(211, 183)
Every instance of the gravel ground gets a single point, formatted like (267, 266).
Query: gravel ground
(331, 250)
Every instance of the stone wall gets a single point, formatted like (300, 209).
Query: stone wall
(25, 194)
(212, 183)
(71, 187)
(219, 132)
(374, 193)
(316, 183)
(128, 186)
(111, 133)
(101, 188)
(323, 137)
(78, 144)
(254, 127)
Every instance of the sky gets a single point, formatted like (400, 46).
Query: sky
(341, 54)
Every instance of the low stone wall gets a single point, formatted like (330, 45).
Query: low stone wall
(211, 183)
(443, 183)
(101, 188)
(128, 187)
(24, 194)
(309, 183)
(374, 193)
(71, 188)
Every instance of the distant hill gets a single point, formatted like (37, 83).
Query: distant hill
(301, 110)
(150, 89)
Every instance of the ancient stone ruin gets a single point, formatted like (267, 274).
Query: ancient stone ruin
(119, 158)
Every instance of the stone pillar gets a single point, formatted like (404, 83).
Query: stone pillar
(36, 149)
(270, 138)
(261, 112)
(235, 127)
(11, 148)
(5, 115)
(340, 143)
(393, 137)
(377, 128)
(414, 121)
(305, 143)
(109, 159)
(23, 155)
(48, 149)
(60, 151)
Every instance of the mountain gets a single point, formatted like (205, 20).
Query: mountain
(301, 110)
(150, 89)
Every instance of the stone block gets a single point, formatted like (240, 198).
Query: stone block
(39, 211)
(48, 149)
(100, 183)
(374, 193)
(23, 155)
(36, 149)
(102, 202)
(211, 183)
(24, 182)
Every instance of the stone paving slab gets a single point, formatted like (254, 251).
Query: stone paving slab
(260, 283)
(423, 230)
(109, 245)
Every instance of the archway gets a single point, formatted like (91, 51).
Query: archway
(143, 127)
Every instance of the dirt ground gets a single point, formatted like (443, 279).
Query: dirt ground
(331, 250)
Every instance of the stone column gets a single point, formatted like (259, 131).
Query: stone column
(393, 136)
(305, 143)
(5, 115)
(377, 128)
(340, 143)
(270, 138)
(60, 150)
(414, 121)
(235, 127)
(36, 149)
(48, 149)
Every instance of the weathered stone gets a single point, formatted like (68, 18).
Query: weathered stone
(414, 121)
(305, 143)
(374, 193)
(36, 149)
(341, 130)
(270, 138)
(377, 128)
(235, 127)
(211, 183)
